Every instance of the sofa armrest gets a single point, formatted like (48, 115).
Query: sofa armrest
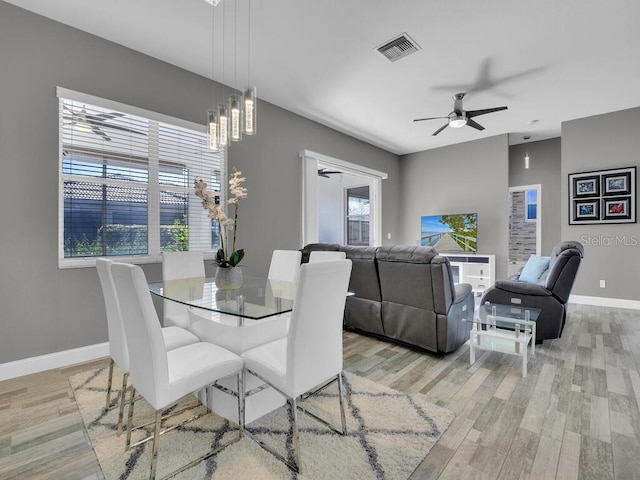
(462, 291)
(523, 288)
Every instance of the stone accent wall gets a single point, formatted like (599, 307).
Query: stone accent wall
(522, 234)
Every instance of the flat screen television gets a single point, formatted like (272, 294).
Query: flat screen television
(450, 233)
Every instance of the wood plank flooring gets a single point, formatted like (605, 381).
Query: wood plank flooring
(575, 416)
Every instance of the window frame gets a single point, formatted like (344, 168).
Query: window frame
(195, 215)
(359, 218)
(527, 203)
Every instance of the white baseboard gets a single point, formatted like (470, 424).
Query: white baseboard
(605, 302)
(53, 360)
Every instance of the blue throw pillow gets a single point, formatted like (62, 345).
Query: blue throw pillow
(536, 265)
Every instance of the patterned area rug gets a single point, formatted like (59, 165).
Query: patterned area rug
(389, 433)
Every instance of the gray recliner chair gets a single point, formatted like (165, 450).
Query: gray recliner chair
(550, 293)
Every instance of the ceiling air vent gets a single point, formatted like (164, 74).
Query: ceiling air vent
(399, 47)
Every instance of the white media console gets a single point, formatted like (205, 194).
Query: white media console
(477, 269)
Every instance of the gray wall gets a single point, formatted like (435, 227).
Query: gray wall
(544, 168)
(462, 178)
(612, 252)
(44, 309)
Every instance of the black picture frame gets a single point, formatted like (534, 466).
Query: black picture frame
(587, 186)
(603, 196)
(586, 210)
(614, 184)
(616, 208)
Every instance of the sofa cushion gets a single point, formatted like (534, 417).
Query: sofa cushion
(364, 272)
(405, 254)
(534, 268)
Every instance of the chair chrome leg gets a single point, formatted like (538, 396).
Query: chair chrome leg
(123, 400)
(130, 418)
(241, 414)
(296, 440)
(154, 446)
(111, 363)
(343, 417)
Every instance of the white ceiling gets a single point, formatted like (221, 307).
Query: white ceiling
(548, 60)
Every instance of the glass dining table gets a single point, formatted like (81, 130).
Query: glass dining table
(257, 299)
(238, 320)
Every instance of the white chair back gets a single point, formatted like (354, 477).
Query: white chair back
(117, 343)
(285, 265)
(175, 266)
(325, 256)
(314, 344)
(147, 355)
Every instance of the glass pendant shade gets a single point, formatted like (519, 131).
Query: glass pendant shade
(235, 117)
(214, 141)
(223, 128)
(249, 124)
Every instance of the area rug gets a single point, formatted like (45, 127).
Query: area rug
(389, 433)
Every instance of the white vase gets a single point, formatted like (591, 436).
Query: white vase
(229, 278)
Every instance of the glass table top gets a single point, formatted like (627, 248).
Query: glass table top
(506, 315)
(257, 298)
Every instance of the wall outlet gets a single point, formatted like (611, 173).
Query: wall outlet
(603, 284)
(388, 236)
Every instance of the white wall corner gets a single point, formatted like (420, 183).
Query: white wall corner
(50, 361)
(605, 302)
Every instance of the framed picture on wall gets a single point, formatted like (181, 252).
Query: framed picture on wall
(586, 186)
(585, 210)
(603, 196)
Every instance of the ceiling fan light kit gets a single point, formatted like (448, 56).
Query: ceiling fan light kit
(457, 121)
(460, 117)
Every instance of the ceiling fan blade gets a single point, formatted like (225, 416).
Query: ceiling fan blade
(474, 124)
(430, 118)
(475, 113)
(97, 131)
(117, 127)
(104, 116)
(440, 129)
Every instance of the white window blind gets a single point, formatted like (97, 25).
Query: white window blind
(126, 182)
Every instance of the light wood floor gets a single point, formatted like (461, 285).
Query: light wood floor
(575, 416)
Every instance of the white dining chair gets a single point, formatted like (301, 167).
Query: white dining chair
(176, 266)
(285, 265)
(324, 256)
(173, 337)
(310, 357)
(163, 377)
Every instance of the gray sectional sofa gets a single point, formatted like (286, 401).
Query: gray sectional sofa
(405, 293)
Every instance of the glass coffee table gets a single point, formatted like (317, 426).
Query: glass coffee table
(504, 328)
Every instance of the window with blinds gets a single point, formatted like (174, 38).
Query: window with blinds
(126, 182)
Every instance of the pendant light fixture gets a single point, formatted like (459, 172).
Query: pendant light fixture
(223, 130)
(229, 120)
(235, 112)
(213, 119)
(526, 160)
(249, 95)
(249, 125)
(214, 134)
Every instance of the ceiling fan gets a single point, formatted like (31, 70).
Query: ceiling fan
(325, 172)
(94, 123)
(459, 117)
